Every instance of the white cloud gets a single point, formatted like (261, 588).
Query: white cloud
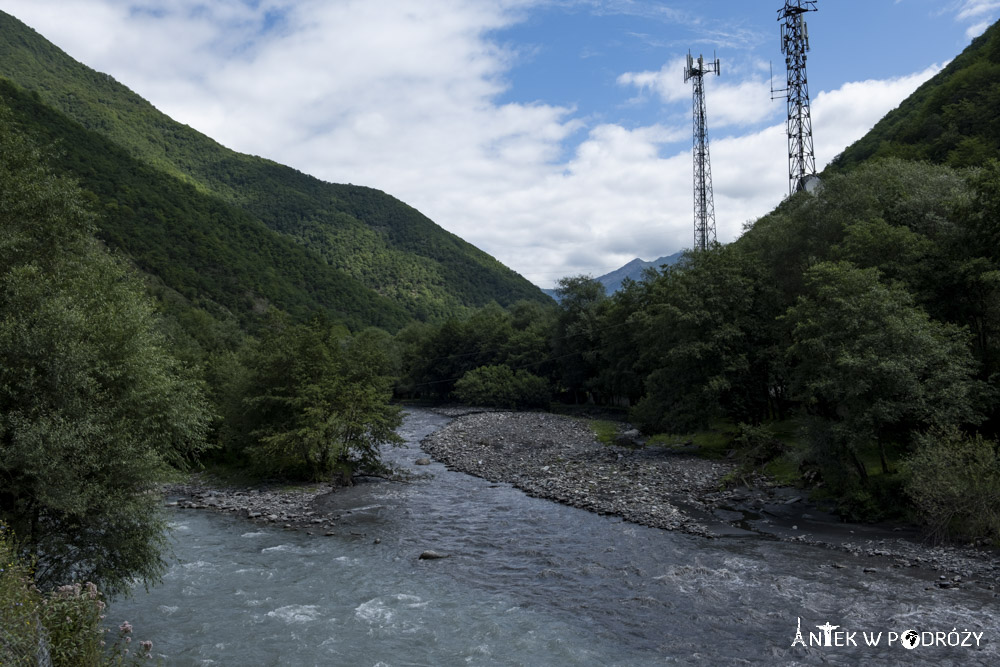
(846, 114)
(977, 29)
(403, 96)
(982, 12)
(975, 9)
(746, 101)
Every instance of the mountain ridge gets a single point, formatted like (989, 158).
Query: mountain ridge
(373, 238)
(952, 119)
(633, 270)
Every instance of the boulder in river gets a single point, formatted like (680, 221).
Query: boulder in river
(432, 555)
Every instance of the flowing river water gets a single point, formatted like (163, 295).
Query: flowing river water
(531, 582)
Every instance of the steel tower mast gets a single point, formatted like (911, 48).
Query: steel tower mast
(704, 204)
(795, 45)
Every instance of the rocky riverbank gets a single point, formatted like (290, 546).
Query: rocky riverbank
(559, 458)
(289, 506)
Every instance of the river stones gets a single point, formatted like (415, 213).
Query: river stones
(559, 458)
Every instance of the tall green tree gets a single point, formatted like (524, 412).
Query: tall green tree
(317, 402)
(93, 408)
(872, 369)
(708, 344)
(577, 341)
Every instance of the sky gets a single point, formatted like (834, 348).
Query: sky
(553, 134)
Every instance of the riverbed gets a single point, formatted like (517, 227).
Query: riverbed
(526, 581)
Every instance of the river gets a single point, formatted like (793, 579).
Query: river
(531, 582)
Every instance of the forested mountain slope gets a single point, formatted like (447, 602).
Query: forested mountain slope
(953, 119)
(211, 253)
(375, 239)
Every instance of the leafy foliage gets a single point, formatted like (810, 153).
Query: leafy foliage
(952, 119)
(435, 357)
(314, 402)
(62, 627)
(209, 252)
(872, 369)
(954, 482)
(577, 334)
(707, 340)
(499, 386)
(92, 405)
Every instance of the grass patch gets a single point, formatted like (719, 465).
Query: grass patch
(606, 431)
(784, 470)
(712, 443)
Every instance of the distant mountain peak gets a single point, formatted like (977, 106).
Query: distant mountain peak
(633, 270)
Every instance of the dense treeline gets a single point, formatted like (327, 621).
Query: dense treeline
(93, 407)
(867, 317)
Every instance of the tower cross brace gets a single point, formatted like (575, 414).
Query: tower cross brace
(795, 45)
(704, 201)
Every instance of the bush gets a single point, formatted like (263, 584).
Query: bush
(63, 627)
(756, 445)
(500, 387)
(954, 482)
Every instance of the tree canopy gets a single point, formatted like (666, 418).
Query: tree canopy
(92, 405)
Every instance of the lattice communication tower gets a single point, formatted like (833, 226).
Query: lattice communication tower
(795, 45)
(704, 204)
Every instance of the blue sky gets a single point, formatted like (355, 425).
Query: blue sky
(553, 134)
(573, 54)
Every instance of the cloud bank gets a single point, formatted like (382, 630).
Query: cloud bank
(404, 96)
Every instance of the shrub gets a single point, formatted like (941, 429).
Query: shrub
(500, 387)
(954, 482)
(756, 445)
(63, 627)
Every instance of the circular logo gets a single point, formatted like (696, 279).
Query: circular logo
(910, 639)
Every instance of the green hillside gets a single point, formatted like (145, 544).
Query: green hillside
(953, 119)
(211, 253)
(373, 238)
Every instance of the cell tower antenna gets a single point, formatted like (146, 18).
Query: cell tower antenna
(704, 204)
(795, 45)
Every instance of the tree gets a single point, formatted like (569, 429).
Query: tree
(499, 386)
(317, 402)
(708, 342)
(954, 482)
(576, 344)
(92, 406)
(871, 368)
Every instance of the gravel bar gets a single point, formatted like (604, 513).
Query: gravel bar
(559, 458)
